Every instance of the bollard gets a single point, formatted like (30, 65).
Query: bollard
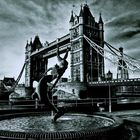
(10, 104)
(36, 103)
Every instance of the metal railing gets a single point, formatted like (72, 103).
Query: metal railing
(35, 104)
(116, 80)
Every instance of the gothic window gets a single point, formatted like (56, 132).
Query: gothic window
(76, 57)
(92, 22)
(89, 20)
(76, 73)
(75, 32)
(87, 54)
(92, 33)
(96, 34)
(87, 31)
(76, 20)
(76, 45)
(100, 27)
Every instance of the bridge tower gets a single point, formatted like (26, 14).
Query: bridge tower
(86, 64)
(36, 65)
(122, 71)
(28, 64)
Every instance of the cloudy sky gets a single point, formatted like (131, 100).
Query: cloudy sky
(21, 20)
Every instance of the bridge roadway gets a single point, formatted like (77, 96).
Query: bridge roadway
(50, 50)
(117, 82)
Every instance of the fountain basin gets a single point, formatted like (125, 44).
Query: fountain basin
(70, 126)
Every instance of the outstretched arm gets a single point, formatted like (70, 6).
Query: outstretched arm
(66, 55)
(58, 55)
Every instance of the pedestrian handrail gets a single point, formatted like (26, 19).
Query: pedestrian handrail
(35, 104)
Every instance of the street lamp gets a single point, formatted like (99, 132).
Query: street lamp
(109, 77)
(110, 104)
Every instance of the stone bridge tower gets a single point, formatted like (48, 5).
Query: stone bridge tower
(86, 64)
(36, 65)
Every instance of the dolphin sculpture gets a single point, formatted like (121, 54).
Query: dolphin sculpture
(44, 87)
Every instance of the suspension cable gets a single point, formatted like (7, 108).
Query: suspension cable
(20, 74)
(130, 60)
(132, 63)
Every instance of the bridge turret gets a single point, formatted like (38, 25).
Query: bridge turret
(85, 61)
(36, 45)
(81, 15)
(109, 75)
(71, 19)
(27, 50)
(101, 38)
(28, 64)
(122, 71)
(76, 31)
(101, 26)
(100, 19)
(81, 21)
(31, 42)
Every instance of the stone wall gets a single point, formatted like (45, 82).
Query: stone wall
(72, 87)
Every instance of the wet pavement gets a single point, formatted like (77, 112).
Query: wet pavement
(131, 119)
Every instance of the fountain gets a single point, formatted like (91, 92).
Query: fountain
(41, 126)
(70, 126)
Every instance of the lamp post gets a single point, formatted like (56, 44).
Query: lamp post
(109, 78)
(52, 113)
(110, 104)
(91, 64)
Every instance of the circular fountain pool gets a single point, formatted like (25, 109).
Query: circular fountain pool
(43, 123)
(70, 126)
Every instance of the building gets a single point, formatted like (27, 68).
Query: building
(109, 76)
(36, 65)
(86, 64)
(9, 81)
(122, 71)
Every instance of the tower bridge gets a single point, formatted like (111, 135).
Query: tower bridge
(49, 50)
(87, 53)
(37, 55)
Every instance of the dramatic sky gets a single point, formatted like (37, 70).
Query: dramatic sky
(21, 20)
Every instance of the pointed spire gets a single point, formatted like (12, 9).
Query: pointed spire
(31, 41)
(37, 36)
(109, 72)
(100, 19)
(72, 18)
(121, 51)
(27, 44)
(37, 39)
(81, 12)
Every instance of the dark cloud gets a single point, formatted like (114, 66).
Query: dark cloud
(128, 34)
(129, 19)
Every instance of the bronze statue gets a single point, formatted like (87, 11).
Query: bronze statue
(44, 88)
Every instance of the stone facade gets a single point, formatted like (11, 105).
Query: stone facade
(36, 65)
(86, 63)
